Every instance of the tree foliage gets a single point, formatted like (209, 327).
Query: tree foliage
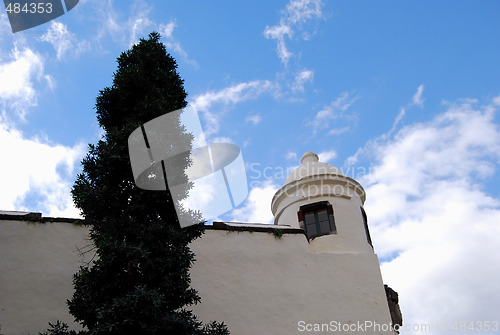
(138, 282)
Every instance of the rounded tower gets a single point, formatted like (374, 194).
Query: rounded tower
(326, 204)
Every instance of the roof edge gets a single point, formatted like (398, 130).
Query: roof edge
(36, 217)
(253, 227)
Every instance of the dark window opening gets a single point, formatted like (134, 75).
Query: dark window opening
(317, 219)
(365, 223)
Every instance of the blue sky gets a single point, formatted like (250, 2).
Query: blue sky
(401, 95)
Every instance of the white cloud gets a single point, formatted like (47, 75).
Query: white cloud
(35, 175)
(140, 26)
(232, 94)
(17, 81)
(257, 208)
(417, 98)
(428, 208)
(303, 77)
(16, 76)
(202, 197)
(63, 40)
(222, 139)
(334, 112)
(167, 30)
(338, 131)
(297, 13)
(278, 33)
(126, 26)
(326, 156)
(105, 22)
(4, 25)
(111, 24)
(255, 119)
(34, 171)
(399, 117)
(291, 155)
(496, 101)
(229, 96)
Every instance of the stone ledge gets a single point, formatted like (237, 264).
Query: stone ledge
(257, 227)
(36, 217)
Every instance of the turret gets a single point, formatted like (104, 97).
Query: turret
(326, 204)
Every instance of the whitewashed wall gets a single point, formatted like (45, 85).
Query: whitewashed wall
(37, 261)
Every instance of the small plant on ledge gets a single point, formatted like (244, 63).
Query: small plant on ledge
(278, 233)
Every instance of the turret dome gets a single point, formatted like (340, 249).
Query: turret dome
(311, 166)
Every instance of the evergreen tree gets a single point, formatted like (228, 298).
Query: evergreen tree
(138, 282)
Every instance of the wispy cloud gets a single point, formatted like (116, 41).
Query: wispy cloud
(278, 33)
(303, 77)
(338, 131)
(433, 224)
(331, 114)
(417, 100)
(167, 30)
(63, 40)
(229, 96)
(254, 118)
(291, 155)
(138, 25)
(233, 94)
(300, 11)
(124, 29)
(297, 13)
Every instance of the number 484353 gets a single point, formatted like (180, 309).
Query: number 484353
(31, 8)
(475, 326)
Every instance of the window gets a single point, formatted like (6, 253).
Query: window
(317, 219)
(365, 222)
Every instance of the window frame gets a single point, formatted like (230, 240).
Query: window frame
(315, 208)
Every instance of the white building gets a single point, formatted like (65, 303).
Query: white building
(314, 271)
